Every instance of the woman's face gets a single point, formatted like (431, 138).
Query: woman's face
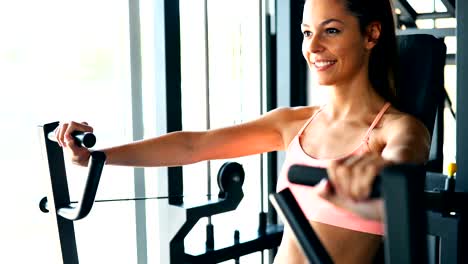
(333, 45)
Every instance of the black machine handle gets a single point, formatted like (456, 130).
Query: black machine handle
(95, 167)
(83, 208)
(306, 175)
(83, 139)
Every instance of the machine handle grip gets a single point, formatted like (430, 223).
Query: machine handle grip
(83, 139)
(306, 175)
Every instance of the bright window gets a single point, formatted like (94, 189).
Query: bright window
(234, 90)
(63, 61)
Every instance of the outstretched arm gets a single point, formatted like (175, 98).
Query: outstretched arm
(180, 148)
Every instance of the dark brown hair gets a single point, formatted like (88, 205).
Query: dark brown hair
(383, 57)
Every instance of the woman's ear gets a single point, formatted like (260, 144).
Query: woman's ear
(372, 34)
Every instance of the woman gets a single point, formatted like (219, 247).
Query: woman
(350, 47)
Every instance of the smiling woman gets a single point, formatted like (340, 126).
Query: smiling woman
(350, 47)
(375, 25)
(355, 134)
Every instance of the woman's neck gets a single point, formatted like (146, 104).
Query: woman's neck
(353, 100)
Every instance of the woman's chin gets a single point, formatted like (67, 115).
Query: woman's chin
(325, 82)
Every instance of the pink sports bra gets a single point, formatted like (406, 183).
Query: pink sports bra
(315, 207)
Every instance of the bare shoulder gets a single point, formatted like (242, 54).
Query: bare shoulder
(289, 120)
(291, 114)
(400, 122)
(405, 137)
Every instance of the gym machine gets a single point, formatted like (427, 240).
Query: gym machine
(416, 203)
(230, 180)
(409, 217)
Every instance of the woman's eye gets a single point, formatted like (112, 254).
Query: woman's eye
(307, 33)
(332, 31)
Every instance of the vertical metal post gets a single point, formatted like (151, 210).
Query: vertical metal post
(462, 119)
(168, 105)
(446, 230)
(271, 98)
(406, 223)
(291, 68)
(58, 194)
(209, 228)
(137, 125)
(462, 95)
(288, 74)
(168, 82)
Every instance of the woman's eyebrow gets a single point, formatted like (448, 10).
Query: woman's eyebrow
(325, 22)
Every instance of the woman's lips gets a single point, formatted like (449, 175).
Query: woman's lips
(323, 65)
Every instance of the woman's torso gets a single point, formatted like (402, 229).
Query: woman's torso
(341, 139)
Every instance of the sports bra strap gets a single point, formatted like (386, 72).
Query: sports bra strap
(372, 126)
(376, 121)
(310, 119)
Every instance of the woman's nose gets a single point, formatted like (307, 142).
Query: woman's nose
(315, 44)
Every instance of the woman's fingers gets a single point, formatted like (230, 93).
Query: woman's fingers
(63, 133)
(362, 185)
(68, 128)
(341, 173)
(353, 177)
(324, 188)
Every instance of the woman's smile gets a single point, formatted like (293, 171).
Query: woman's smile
(323, 65)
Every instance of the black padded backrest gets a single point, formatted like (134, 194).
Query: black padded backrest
(420, 82)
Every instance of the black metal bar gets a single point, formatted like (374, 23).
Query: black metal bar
(463, 240)
(437, 32)
(461, 121)
(97, 160)
(271, 99)
(405, 7)
(59, 194)
(271, 103)
(450, 59)
(168, 82)
(433, 246)
(450, 5)
(408, 14)
(446, 228)
(89, 193)
(307, 175)
(270, 239)
(405, 220)
(84, 139)
(435, 15)
(462, 96)
(436, 155)
(230, 180)
(173, 90)
(194, 214)
(287, 206)
(405, 201)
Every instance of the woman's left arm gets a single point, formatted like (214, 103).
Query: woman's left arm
(406, 140)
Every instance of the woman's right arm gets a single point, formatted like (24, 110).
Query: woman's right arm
(180, 148)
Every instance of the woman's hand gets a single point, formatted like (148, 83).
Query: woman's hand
(353, 177)
(350, 184)
(79, 155)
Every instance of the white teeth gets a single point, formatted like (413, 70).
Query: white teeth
(323, 63)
